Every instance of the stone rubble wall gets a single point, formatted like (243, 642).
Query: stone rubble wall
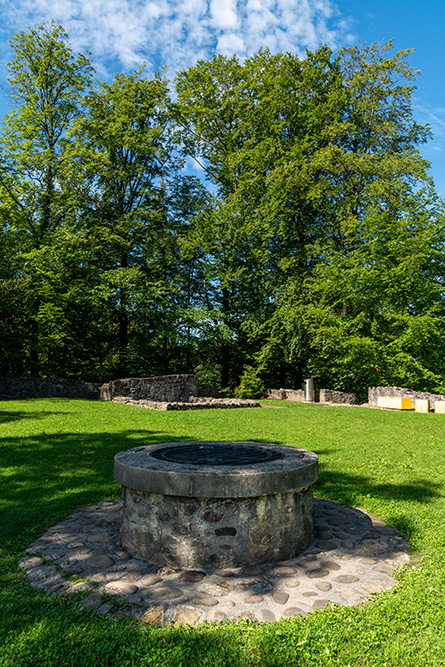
(215, 533)
(194, 403)
(332, 396)
(296, 395)
(163, 388)
(399, 392)
(30, 387)
(320, 396)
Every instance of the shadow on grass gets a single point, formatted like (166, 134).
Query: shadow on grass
(343, 487)
(52, 632)
(46, 476)
(353, 490)
(7, 416)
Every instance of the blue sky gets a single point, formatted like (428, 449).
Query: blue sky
(121, 34)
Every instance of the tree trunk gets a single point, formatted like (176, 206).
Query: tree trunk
(225, 349)
(34, 366)
(123, 324)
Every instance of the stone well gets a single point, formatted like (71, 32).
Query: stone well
(216, 504)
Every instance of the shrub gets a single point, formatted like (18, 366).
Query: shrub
(250, 386)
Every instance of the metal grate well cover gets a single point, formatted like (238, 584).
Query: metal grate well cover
(216, 455)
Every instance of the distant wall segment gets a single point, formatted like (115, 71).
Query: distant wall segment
(165, 388)
(169, 388)
(320, 395)
(179, 388)
(29, 387)
(399, 392)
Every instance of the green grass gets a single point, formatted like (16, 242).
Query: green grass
(57, 455)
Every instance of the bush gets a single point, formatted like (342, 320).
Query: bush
(250, 386)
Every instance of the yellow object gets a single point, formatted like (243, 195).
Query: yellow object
(422, 405)
(395, 402)
(439, 407)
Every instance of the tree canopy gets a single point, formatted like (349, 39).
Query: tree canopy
(312, 245)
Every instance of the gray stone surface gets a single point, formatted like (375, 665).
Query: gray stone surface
(160, 388)
(30, 387)
(167, 595)
(137, 469)
(193, 404)
(173, 531)
(215, 516)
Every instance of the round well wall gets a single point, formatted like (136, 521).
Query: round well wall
(225, 512)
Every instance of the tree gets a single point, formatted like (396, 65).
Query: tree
(222, 117)
(377, 276)
(314, 245)
(125, 139)
(47, 83)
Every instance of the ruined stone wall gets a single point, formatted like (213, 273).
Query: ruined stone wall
(194, 403)
(29, 387)
(296, 395)
(170, 388)
(400, 392)
(275, 394)
(332, 396)
(320, 396)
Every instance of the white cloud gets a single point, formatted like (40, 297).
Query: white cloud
(230, 43)
(435, 117)
(178, 32)
(224, 14)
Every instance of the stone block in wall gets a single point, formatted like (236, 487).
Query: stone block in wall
(295, 395)
(106, 392)
(171, 388)
(157, 388)
(275, 394)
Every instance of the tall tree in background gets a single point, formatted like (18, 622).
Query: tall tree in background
(222, 116)
(47, 82)
(378, 272)
(125, 140)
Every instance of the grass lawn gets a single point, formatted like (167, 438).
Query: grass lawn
(57, 455)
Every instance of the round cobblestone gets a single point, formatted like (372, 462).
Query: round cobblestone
(191, 576)
(318, 573)
(99, 562)
(206, 600)
(254, 599)
(122, 587)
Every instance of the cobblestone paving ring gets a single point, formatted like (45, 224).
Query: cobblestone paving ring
(352, 556)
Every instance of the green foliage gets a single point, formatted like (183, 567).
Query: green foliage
(313, 243)
(37, 199)
(250, 386)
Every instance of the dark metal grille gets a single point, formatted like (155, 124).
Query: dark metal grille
(216, 455)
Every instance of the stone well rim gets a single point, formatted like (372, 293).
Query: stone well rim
(138, 470)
